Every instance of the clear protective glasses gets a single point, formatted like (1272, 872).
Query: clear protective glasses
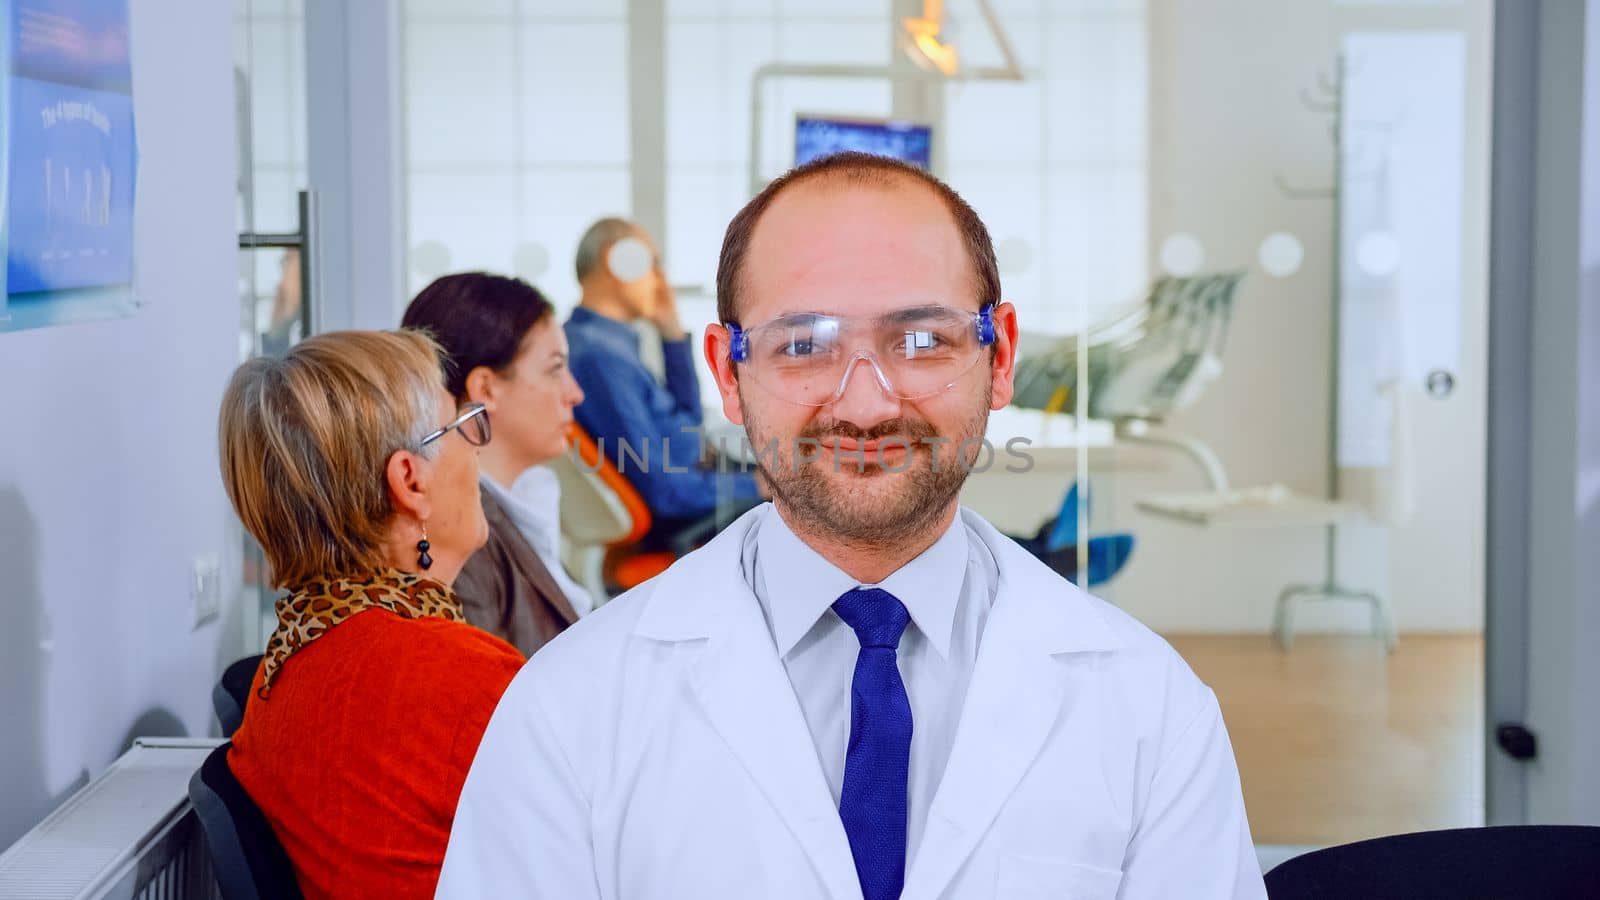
(472, 423)
(914, 352)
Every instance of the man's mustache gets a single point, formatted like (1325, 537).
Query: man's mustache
(912, 431)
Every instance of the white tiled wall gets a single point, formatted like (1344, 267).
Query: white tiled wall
(517, 133)
(269, 47)
(269, 50)
(461, 97)
(1056, 165)
(713, 52)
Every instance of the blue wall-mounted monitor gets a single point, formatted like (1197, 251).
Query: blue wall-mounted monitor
(816, 136)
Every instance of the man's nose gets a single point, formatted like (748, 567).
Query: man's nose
(863, 398)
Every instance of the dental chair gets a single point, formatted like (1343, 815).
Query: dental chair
(1146, 362)
(1056, 545)
(603, 518)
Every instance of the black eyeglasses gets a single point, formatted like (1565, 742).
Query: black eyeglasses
(473, 423)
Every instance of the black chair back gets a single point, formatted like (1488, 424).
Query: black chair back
(232, 691)
(249, 862)
(1528, 862)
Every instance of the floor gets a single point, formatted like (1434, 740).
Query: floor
(1338, 741)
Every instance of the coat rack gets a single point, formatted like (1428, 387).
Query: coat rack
(1330, 102)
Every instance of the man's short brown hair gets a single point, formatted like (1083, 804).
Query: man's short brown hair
(306, 440)
(862, 169)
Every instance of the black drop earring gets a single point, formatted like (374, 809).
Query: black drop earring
(423, 559)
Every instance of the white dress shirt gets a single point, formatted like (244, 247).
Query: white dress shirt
(948, 589)
(534, 505)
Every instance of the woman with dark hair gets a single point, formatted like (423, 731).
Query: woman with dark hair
(506, 352)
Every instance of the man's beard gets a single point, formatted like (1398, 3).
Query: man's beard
(859, 499)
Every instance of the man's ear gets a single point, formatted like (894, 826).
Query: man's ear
(1004, 365)
(481, 386)
(409, 481)
(718, 340)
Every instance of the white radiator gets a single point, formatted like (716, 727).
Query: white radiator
(128, 835)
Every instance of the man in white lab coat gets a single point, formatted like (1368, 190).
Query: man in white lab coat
(860, 690)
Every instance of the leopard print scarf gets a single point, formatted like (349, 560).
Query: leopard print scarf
(314, 609)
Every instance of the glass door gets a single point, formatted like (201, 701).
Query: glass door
(1246, 241)
(274, 310)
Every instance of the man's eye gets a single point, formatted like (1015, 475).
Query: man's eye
(798, 348)
(914, 342)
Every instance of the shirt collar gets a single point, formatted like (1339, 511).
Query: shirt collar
(589, 320)
(799, 585)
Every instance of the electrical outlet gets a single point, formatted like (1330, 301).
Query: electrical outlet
(205, 589)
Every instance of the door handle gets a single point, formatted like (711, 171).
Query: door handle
(1517, 741)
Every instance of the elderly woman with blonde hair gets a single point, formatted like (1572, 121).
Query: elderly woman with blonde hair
(358, 474)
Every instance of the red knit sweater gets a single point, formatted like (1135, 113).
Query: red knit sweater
(358, 754)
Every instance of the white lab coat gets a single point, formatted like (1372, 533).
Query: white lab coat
(656, 750)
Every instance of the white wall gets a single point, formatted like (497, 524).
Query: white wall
(108, 464)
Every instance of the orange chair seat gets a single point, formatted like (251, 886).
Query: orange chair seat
(624, 566)
(629, 570)
(589, 452)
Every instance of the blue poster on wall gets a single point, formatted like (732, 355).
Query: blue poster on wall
(70, 163)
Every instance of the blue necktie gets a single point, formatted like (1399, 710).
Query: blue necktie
(873, 802)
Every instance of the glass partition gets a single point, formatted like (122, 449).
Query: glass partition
(269, 79)
(1246, 246)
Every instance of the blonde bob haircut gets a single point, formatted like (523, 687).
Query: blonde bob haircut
(305, 444)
